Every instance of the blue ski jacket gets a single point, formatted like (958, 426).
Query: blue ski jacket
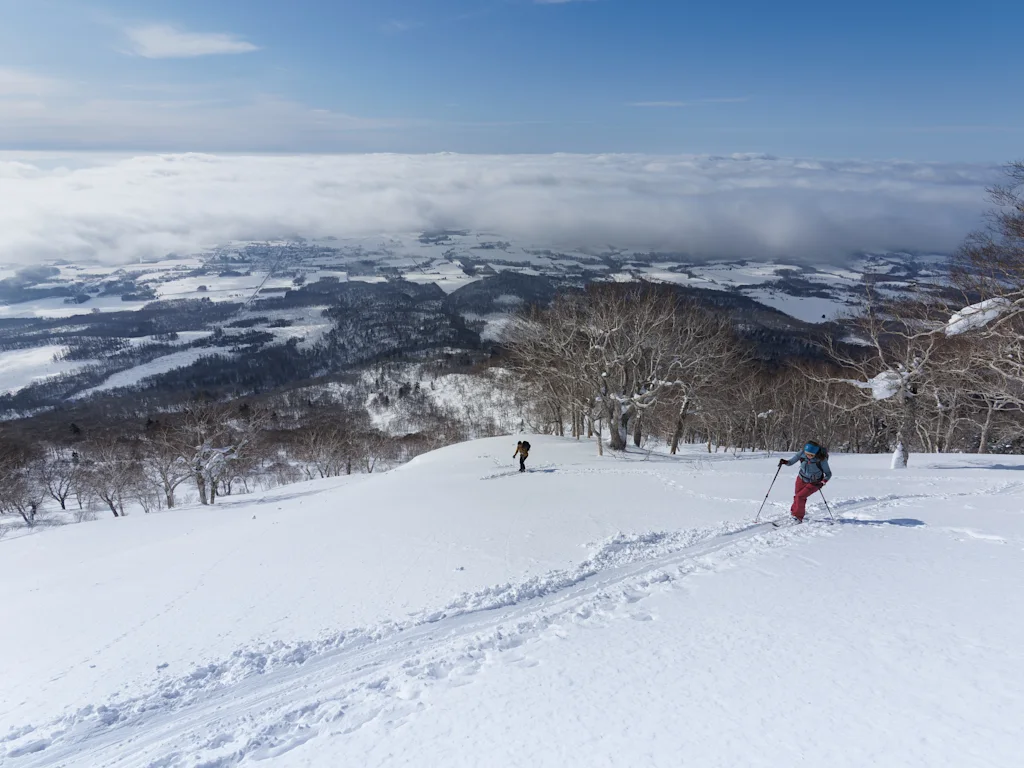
(811, 470)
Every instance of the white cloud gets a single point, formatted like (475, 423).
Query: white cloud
(163, 41)
(18, 82)
(66, 120)
(749, 206)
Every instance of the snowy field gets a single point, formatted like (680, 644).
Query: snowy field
(616, 611)
(21, 367)
(56, 308)
(810, 309)
(160, 365)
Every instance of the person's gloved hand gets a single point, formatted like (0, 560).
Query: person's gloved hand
(782, 462)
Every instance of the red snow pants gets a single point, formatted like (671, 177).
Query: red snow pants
(804, 491)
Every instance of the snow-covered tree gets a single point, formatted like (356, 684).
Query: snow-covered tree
(165, 459)
(60, 474)
(21, 492)
(111, 471)
(214, 436)
(902, 355)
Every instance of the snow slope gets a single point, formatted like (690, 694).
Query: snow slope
(596, 611)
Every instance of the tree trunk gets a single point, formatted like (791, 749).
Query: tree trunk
(680, 423)
(623, 430)
(637, 430)
(169, 495)
(201, 486)
(985, 428)
(616, 428)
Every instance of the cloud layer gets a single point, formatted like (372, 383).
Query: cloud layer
(163, 41)
(118, 209)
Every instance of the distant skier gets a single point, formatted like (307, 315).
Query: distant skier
(814, 473)
(522, 451)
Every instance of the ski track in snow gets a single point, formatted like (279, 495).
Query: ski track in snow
(263, 702)
(224, 714)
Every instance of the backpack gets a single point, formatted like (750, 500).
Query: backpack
(526, 446)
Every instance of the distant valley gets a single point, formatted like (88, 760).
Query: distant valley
(251, 317)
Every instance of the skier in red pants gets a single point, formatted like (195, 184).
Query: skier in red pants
(814, 473)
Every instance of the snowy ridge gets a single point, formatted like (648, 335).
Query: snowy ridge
(365, 673)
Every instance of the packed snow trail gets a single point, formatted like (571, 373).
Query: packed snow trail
(337, 691)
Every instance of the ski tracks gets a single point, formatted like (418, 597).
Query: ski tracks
(265, 705)
(264, 702)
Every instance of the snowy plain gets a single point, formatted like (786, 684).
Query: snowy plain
(163, 364)
(604, 611)
(21, 367)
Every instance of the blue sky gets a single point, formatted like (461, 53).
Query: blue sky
(870, 79)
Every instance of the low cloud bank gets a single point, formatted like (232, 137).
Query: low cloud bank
(121, 209)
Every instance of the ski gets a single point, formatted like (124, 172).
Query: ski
(789, 521)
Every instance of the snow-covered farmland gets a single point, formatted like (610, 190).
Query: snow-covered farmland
(160, 365)
(57, 308)
(623, 610)
(22, 367)
(810, 309)
(216, 288)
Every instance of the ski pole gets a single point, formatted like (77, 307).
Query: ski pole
(826, 505)
(769, 493)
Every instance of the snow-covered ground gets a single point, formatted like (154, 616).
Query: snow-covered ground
(162, 364)
(810, 309)
(21, 367)
(56, 308)
(622, 610)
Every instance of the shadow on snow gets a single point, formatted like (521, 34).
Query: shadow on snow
(905, 522)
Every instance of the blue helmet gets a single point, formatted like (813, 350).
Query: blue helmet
(812, 449)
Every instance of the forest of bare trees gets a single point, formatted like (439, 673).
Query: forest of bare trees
(201, 452)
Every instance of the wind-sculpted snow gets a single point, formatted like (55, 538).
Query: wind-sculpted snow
(743, 206)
